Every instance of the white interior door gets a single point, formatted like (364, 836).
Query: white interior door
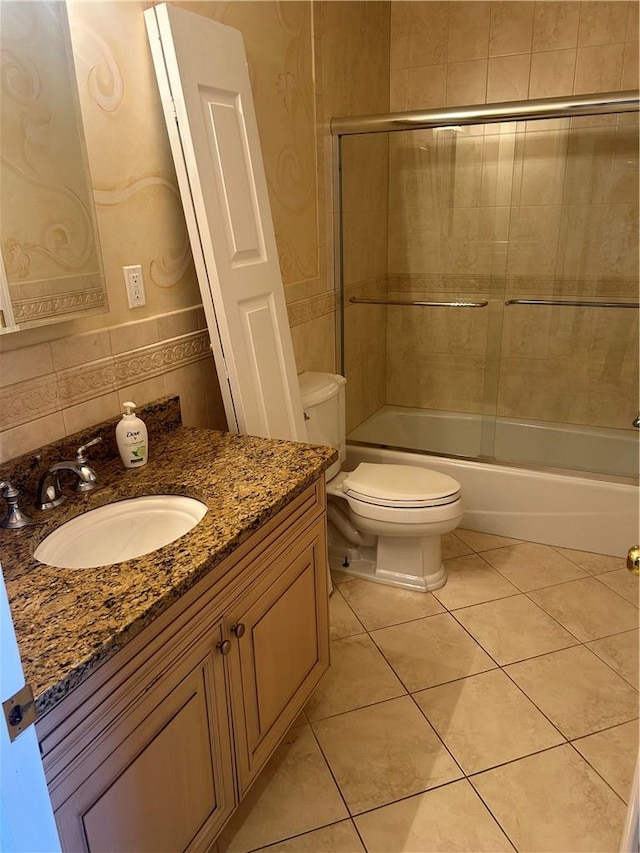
(204, 85)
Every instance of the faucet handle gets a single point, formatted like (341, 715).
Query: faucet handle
(80, 454)
(7, 490)
(14, 518)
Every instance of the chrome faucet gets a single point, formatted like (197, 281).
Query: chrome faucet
(49, 489)
(636, 421)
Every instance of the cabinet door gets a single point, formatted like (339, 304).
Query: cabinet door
(281, 649)
(168, 785)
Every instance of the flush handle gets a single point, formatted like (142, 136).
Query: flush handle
(238, 630)
(633, 560)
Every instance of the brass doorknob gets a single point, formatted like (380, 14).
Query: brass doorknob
(633, 560)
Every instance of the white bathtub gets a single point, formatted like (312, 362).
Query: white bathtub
(570, 447)
(580, 511)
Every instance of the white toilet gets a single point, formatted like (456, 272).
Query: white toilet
(385, 521)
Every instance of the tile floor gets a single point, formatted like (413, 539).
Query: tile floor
(498, 713)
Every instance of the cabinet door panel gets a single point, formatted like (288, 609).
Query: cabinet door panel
(282, 653)
(165, 795)
(280, 675)
(168, 783)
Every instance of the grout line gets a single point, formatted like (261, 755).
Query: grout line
(329, 768)
(567, 741)
(619, 594)
(541, 751)
(586, 760)
(488, 808)
(272, 844)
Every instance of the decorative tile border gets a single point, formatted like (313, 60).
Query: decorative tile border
(435, 282)
(26, 401)
(310, 309)
(59, 305)
(86, 382)
(23, 402)
(159, 358)
(370, 288)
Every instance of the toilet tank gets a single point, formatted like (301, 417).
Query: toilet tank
(323, 403)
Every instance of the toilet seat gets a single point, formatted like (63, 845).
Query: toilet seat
(400, 486)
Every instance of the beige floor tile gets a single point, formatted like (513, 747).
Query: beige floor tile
(587, 608)
(577, 691)
(472, 581)
(339, 577)
(531, 566)
(624, 583)
(453, 546)
(594, 564)
(358, 676)
(295, 793)
(553, 801)
(384, 752)
(377, 605)
(621, 653)
(613, 754)
(431, 651)
(343, 621)
(514, 629)
(446, 819)
(300, 720)
(484, 541)
(337, 838)
(485, 720)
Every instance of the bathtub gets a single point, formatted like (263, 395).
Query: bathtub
(572, 447)
(588, 512)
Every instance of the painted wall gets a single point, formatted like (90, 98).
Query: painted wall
(533, 209)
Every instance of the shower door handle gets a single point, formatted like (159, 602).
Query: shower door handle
(633, 560)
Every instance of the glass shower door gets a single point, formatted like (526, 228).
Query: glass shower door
(568, 382)
(490, 291)
(425, 217)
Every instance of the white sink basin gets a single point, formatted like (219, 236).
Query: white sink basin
(120, 531)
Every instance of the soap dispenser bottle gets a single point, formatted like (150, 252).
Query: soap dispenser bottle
(132, 439)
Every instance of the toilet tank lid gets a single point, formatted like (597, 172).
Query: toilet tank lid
(399, 482)
(317, 387)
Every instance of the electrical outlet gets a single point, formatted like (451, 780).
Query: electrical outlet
(135, 286)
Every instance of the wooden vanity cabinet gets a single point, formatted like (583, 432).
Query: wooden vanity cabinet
(160, 776)
(280, 652)
(156, 748)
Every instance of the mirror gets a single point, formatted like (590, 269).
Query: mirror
(51, 268)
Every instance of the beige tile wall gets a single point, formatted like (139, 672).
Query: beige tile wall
(57, 379)
(353, 47)
(59, 387)
(526, 209)
(321, 59)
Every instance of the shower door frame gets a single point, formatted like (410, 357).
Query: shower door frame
(528, 110)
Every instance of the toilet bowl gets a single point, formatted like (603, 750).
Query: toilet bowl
(385, 521)
(405, 511)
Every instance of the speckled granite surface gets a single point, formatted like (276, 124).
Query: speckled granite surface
(68, 621)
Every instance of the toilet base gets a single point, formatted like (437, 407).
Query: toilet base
(368, 563)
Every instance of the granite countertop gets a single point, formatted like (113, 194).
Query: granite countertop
(69, 621)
